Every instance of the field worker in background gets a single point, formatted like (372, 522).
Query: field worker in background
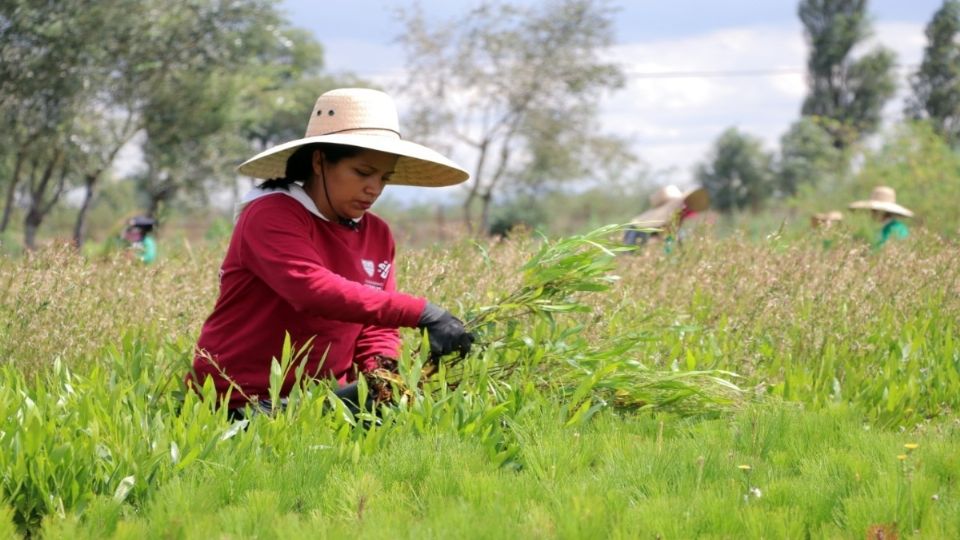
(669, 209)
(139, 234)
(825, 224)
(826, 220)
(307, 257)
(883, 205)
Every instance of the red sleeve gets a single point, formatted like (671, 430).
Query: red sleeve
(276, 247)
(374, 340)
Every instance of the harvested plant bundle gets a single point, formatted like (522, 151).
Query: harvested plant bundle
(521, 339)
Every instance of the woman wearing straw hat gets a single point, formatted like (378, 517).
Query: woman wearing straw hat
(825, 224)
(307, 258)
(669, 208)
(825, 220)
(883, 205)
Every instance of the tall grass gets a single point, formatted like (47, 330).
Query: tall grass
(821, 326)
(98, 438)
(841, 324)
(55, 304)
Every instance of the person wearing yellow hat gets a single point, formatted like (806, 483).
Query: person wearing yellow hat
(824, 223)
(884, 208)
(825, 220)
(308, 259)
(669, 208)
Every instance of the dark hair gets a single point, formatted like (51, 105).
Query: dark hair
(300, 163)
(143, 223)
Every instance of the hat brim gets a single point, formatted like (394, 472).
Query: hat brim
(892, 208)
(828, 216)
(142, 221)
(696, 199)
(417, 166)
(659, 216)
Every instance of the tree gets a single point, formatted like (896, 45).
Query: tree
(807, 156)
(515, 86)
(45, 65)
(67, 76)
(738, 173)
(201, 119)
(936, 85)
(279, 90)
(916, 161)
(189, 112)
(104, 64)
(850, 91)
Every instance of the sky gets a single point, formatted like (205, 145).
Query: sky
(670, 119)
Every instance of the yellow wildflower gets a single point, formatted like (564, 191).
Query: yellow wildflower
(744, 467)
(902, 457)
(911, 446)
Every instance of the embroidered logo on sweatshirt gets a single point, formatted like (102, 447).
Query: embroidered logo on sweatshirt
(384, 269)
(367, 266)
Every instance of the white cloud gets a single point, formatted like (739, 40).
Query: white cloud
(907, 41)
(673, 120)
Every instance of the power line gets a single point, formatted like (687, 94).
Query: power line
(693, 74)
(716, 74)
(713, 74)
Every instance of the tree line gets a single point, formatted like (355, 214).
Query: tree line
(195, 82)
(844, 104)
(197, 85)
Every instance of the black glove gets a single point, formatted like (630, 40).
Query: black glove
(445, 331)
(349, 394)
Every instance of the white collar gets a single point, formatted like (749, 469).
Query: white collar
(294, 191)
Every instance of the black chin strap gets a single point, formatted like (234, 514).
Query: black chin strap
(353, 225)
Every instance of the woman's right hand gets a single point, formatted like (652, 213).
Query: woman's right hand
(446, 332)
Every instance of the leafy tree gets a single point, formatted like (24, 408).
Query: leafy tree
(569, 155)
(280, 88)
(46, 61)
(45, 175)
(936, 85)
(264, 98)
(517, 86)
(916, 161)
(850, 91)
(185, 121)
(807, 156)
(167, 68)
(738, 173)
(190, 113)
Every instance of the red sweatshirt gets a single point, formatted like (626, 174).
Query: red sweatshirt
(288, 270)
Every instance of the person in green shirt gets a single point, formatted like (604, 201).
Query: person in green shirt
(139, 233)
(883, 205)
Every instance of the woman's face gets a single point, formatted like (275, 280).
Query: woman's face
(353, 183)
(133, 234)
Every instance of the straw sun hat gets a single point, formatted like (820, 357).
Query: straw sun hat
(884, 199)
(825, 219)
(367, 119)
(667, 201)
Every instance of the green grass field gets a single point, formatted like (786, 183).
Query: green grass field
(771, 388)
